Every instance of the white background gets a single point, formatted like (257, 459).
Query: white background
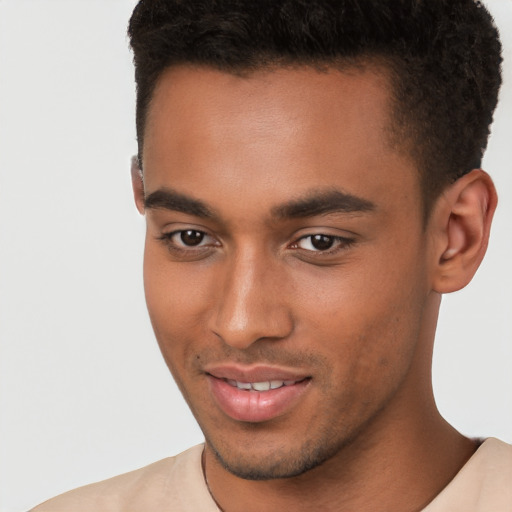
(84, 393)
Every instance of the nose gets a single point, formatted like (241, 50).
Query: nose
(251, 303)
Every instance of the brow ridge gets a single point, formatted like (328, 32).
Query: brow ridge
(321, 203)
(313, 204)
(168, 199)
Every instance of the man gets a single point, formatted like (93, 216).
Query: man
(310, 176)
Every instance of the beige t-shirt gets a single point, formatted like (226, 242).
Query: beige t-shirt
(177, 484)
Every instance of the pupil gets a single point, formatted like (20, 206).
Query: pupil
(322, 242)
(191, 237)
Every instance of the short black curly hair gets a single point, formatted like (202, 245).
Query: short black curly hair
(443, 58)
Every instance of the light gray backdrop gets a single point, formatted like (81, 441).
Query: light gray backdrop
(84, 393)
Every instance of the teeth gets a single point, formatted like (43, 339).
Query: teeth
(260, 386)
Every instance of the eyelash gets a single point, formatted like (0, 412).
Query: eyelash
(167, 239)
(339, 243)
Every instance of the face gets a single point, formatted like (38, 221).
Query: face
(285, 268)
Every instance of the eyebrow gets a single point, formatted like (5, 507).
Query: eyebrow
(168, 199)
(315, 203)
(322, 203)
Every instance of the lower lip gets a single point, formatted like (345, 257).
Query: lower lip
(255, 406)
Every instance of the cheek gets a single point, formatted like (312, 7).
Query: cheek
(384, 348)
(177, 299)
(367, 321)
(174, 289)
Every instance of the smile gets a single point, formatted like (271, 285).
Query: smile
(261, 386)
(256, 395)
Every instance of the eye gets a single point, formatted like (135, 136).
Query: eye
(188, 239)
(321, 243)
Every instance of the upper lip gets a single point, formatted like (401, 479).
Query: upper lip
(256, 373)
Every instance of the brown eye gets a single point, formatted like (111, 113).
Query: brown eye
(322, 242)
(318, 242)
(191, 237)
(189, 244)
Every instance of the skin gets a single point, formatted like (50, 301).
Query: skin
(357, 319)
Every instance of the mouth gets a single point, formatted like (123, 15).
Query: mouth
(256, 395)
(265, 385)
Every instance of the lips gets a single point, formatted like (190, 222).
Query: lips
(255, 394)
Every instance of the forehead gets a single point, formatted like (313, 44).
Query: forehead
(274, 133)
(270, 100)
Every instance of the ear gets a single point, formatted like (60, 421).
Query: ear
(462, 222)
(137, 184)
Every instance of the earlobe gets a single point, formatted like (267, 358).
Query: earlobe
(137, 184)
(463, 219)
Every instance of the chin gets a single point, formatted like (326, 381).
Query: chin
(276, 462)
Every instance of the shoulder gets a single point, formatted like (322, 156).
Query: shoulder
(482, 485)
(174, 483)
